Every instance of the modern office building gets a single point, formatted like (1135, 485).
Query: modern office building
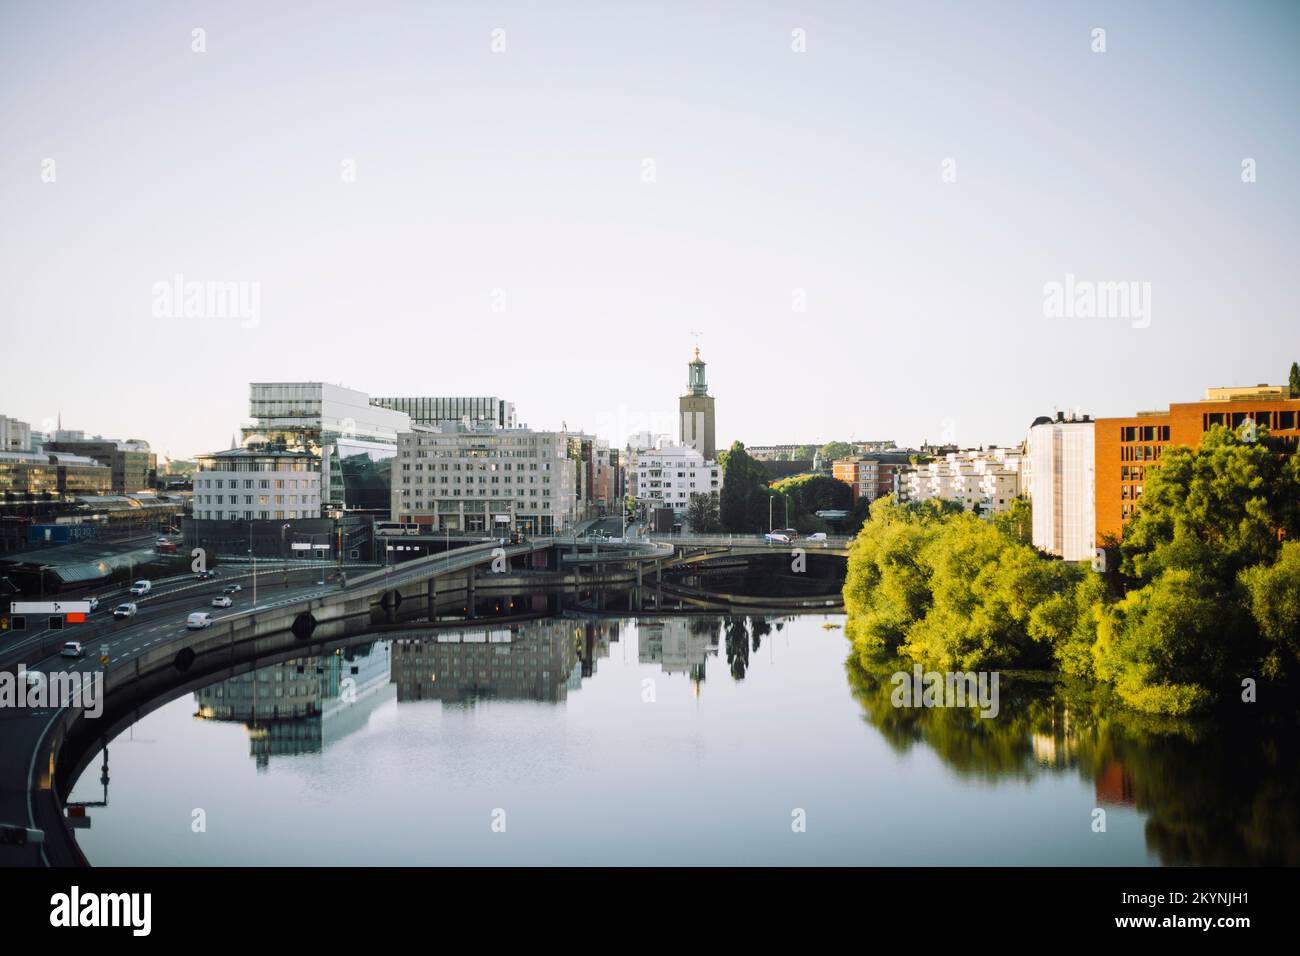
(353, 441)
(59, 475)
(250, 484)
(1062, 485)
(670, 477)
(15, 436)
(697, 412)
(133, 466)
(458, 478)
(1127, 447)
(440, 410)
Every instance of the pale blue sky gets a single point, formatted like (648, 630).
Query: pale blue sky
(522, 171)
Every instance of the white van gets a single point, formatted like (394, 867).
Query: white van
(141, 587)
(198, 620)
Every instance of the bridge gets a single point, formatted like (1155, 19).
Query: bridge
(44, 751)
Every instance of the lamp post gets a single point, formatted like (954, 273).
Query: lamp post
(284, 554)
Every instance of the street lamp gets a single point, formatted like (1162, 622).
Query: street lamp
(284, 554)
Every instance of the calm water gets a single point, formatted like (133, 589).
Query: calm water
(671, 741)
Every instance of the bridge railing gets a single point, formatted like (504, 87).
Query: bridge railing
(751, 540)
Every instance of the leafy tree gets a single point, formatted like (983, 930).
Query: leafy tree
(1274, 594)
(743, 504)
(1295, 380)
(809, 494)
(835, 449)
(1017, 522)
(702, 514)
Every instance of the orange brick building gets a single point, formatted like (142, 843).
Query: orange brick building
(1126, 447)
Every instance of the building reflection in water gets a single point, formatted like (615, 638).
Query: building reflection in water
(302, 706)
(679, 645)
(539, 661)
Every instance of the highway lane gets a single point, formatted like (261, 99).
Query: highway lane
(186, 593)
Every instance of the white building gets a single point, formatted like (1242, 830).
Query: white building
(353, 441)
(455, 478)
(253, 485)
(671, 476)
(1062, 479)
(15, 436)
(987, 479)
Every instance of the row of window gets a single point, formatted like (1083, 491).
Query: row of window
(1144, 433)
(253, 515)
(248, 482)
(263, 500)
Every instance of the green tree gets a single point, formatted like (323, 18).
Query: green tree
(835, 449)
(809, 494)
(1295, 380)
(1274, 594)
(702, 514)
(743, 504)
(1017, 522)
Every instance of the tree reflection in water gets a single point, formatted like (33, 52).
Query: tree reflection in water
(1216, 791)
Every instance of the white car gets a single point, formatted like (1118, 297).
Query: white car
(778, 537)
(124, 610)
(222, 600)
(817, 536)
(141, 587)
(198, 620)
(72, 649)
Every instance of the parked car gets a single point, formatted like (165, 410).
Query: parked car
(141, 588)
(124, 610)
(231, 589)
(72, 649)
(198, 620)
(222, 600)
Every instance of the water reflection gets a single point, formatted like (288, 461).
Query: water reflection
(302, 706)
(1223, 791)
(551, 717)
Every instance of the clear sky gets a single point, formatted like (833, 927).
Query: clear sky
(524, 171)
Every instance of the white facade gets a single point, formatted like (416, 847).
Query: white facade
(242, 484)
(669, 477)
(1062, 487)
(987, 478)
(15, 435)
(457, 479)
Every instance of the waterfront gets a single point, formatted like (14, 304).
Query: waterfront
(668, 741)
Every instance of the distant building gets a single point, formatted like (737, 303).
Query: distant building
(1127, 447)
(697, 411)
(15, 436)
(870, 476)
(1062, 485)
(353, 442)
(986, 480)
(441, 410)
(250, 484)
(670, 477)
(132, 465)
(453, 478)
(58, 475)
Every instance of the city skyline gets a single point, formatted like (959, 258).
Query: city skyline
(858, 201)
